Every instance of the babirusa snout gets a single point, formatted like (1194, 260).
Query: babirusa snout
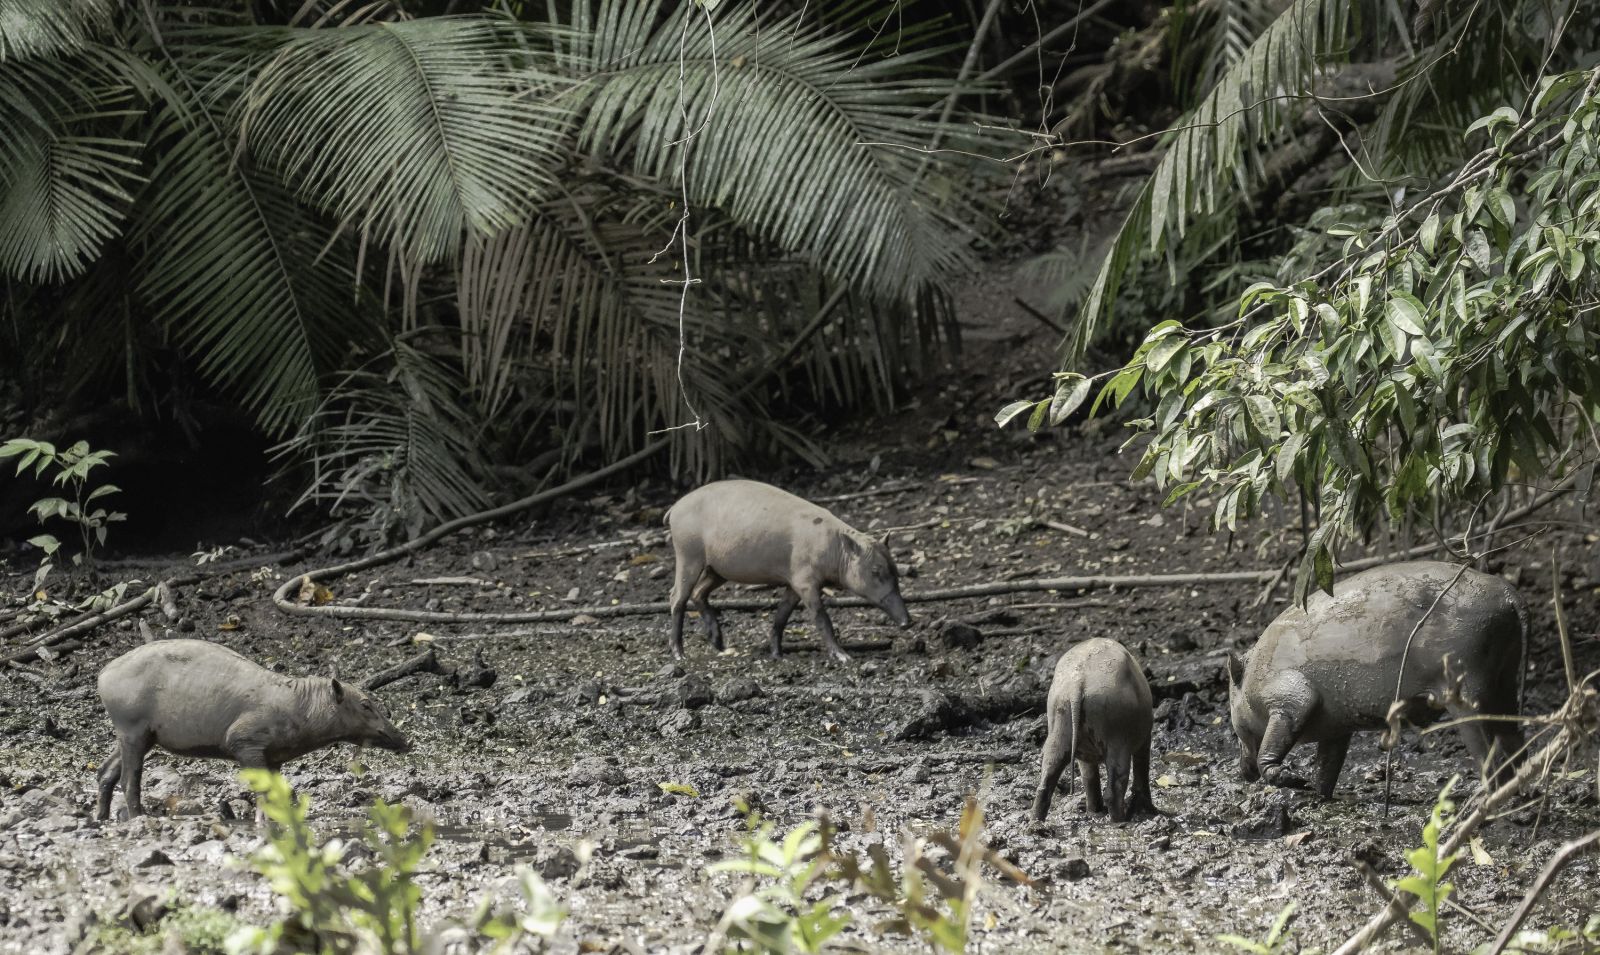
(896, 609)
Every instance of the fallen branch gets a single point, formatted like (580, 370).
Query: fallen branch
(425, 662)
(1397, 904)
(161, 591)
(1557, 862)
(1066, 528)
(1568, 719)
(282, 600)
(870, 492)
(1041, 317)
(994, 588)
(85, 624)
(643, 540)
(280, 596)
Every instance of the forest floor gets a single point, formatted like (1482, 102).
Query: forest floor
(566, 752)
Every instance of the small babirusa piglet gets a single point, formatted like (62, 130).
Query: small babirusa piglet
(1099, 711)
(1420, 636)
(754, 533)
(194, 698)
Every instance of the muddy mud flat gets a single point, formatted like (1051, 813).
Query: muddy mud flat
(564, 753)
(584, 721)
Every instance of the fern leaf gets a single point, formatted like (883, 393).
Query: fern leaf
(420, 132)
(42, 28)
(782, 126)
(1210, 149)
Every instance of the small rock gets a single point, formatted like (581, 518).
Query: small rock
(485, 560)
(482, 675)
(588, 692)
(1072, 869)
(150, 859)
(671, 671)
(959, 636)
(515, 697)
(917, 772)
(558, 863)
(57, 822)
(909, 644)
(592, 770)
(679, 722)
(688, 694)
(1270, 821)
(938, 713)
(738, 690)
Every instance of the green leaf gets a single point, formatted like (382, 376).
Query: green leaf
(1429, 233)
(1163, 351)
(1324, 569)
(1264, 414)
(46, 543)
(1289, 455)
(1004, 416)
(1070, 394)
(1499, 117)
(679, 789)
(1040, 411)
(1406, 313)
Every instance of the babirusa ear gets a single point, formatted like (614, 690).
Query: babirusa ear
(1235, 669)
(338, 689)
(884, 540)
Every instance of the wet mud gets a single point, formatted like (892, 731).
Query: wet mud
(563, 754)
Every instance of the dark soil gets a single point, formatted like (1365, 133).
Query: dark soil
(586, 719)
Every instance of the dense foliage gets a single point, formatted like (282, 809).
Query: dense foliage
(419, 246)
(1410, 335)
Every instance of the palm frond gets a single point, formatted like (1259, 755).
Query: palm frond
(579, 303)
(64, 164)
(576, 316)
(238, 270)
(41, 28)
(1210, 36)
(393, 446)
(64, 199)
(1480, 57)
(418, 132)
(1211, 148)
(784, 128)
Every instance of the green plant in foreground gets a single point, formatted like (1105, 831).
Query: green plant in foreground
(777, 917)
(370, 910)
(185, 928)
(71, 469)
(930, 900)
(1553, 940)
(1277, 936)
(542, 915)
(1428, 883)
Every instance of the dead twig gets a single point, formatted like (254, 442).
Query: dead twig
(1066, 528)
(1557, 862)
(1567, 720)
(1044, 319)
(280, 597)
(643, 540)
(1396, 904)
(992, 588)
(425, 662)
(870, 492)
